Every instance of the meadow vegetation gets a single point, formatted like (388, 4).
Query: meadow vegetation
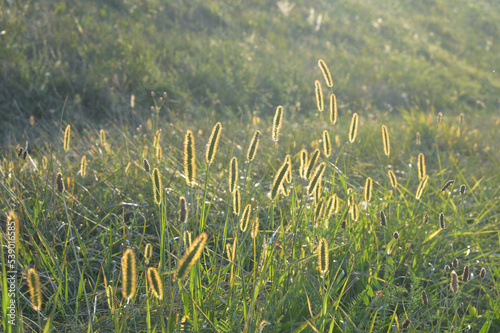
(249, 166)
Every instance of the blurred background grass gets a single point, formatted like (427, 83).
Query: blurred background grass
(228, 58)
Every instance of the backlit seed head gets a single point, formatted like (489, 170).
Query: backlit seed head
(83, 166)
(60, 182)
(330, 207)
(187, 239)
(303, 163)
(316, 178)
(441, 221)
(418, 142)
(425, 299)
(421, 166)
(254, 145)
(319, 95)
(383, 219)
(67, 137)
(110, 295)
(148, 253)
(327, 144)
(32, 120)
(318, 210)
(213, 142)
(288, 159)
(333, 109)
(385, 140)
(102, 137)
(351, 197)
(447, 268)
(454, 282)
(311, 163)
(154, 282)
(35, 289)
(395, 235)
(455, 263)
(233, 174)
(277, 122)
(13, 220)
(183, 210)
(421, 187)
(147, 168)
(245, 218)
(323, 256)
(439, 117)
(189, 158)
(326, 73)
(462, 189)
(354, 210)
(353, 129)
(279, 178)
(368, 189)
(392, 177)
(255, 227)
(157, 186)
(129, 274)
(236, 202)
(191, 256)
(466, 274)
(482, 274)
(448, 184)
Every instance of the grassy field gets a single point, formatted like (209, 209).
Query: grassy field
(127, 215)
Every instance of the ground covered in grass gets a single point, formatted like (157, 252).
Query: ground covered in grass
(129, 213)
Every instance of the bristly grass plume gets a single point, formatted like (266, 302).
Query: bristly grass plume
(353, 129)
(191, 256)
(333, 109)
(385, 140)
(213, 142)
(319, 96)
(189, 158)
(129, 274)
(326, 73)
(277, 122)
(35, 289)
(254, 145)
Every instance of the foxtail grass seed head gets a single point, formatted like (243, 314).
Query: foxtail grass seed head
(156, 140)
(60, 182)
(187, 239)
(462, 189)
(288, 159)
(368, 189)
(279, 179)
(154, 282)
(454, 282)
(303, 163)
(318, 210)
(277, 122)
(406, 324)
(425, 299)
(145, 152)
(421, 187)
(148, 253)
(255, 227)
(421, 166)
(110, 295)
(159, 154)
(67, 137)
(191, 256)
(466, 274)
(447, 184)
(316, 178)
(455, 263)
(129, 274)
(447, 268)
(35, 289)
(354, 210)
(157, 186)
(32, 120)
(13, 222)
(323, 256)
(383, 219)
(20, 152)
(418, 142)
(233, 174)
(245, 218)
(327, 144)
(326, 73)
(213, 142)
(189, 158)
(330, 207)
(333, 109)
(83, 166)
(319, 96)
(147, 168)
(394, 180)
(441, 221)
(351, 196)
(183, 210)
(386, 141)
(395, 235)
(353, 129)
(311, 163)
(236, 202)
(102, 137)
(482, 274)
(343, 224)
(439, 117)
(254, 145)
(263, 325)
